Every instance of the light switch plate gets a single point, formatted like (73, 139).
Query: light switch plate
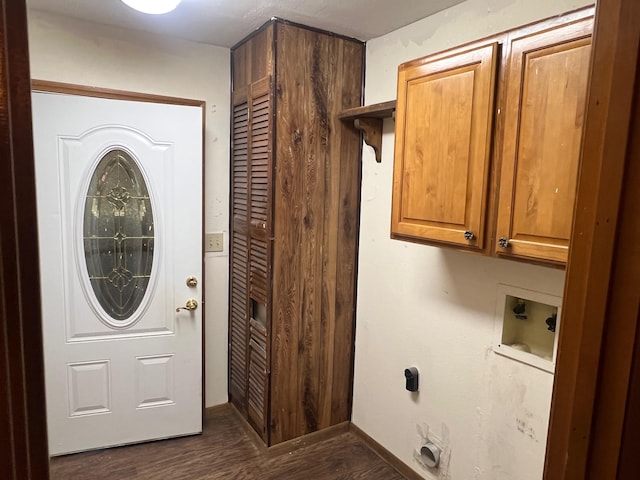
(214, 242)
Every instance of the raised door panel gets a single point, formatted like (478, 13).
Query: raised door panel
(443, 141)
(547, 80)
(252, 59)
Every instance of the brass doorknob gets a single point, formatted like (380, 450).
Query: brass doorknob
(191, 304)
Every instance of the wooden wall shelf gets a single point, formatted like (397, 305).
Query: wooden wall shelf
(368, 120)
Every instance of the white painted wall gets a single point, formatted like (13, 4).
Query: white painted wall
(434, 309)
(83, 53)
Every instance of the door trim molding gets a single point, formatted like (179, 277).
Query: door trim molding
(23, 425)
(584, 356)
(109, 93)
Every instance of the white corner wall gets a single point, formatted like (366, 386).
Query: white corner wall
(71, 51)
(434, 308)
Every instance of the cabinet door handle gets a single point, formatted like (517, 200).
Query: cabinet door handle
(503, 242)
(468, 235)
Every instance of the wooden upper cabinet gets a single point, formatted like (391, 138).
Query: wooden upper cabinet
(443, 143)
(546, 77)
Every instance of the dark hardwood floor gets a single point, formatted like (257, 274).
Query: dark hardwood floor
(226, 451)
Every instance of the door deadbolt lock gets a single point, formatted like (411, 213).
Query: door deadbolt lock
(191, 304)
(192, 282)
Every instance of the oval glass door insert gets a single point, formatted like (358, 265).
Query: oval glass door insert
(118, 233)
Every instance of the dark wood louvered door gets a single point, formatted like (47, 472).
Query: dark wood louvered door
(238, 305)
(295, 206)
(260, 140)
(250, 252)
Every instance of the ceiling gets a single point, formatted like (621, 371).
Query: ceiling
(226, 22)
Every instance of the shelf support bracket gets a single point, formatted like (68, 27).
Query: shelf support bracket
(372, 131)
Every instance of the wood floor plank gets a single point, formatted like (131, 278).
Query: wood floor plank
(225, 451)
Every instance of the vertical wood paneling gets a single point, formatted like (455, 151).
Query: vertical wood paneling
(314, 206)
(302, 221)
(314, 49)
(23, 435)
(330, 247)
(590, 281)
(261, 57)
(617, 391)
(291, 149)
(347, 147)
(239, 68)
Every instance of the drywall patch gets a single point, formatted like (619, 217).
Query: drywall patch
(442, 441)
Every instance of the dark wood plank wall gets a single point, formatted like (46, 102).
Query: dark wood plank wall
(291, 91)
(252, 60)
(312, 222)
(615, 428)
(593, 368)
(316, 205)
(347, 225)
(23, 432)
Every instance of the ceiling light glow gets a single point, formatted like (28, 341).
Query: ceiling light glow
(153, 7)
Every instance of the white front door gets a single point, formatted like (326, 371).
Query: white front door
(119, 187)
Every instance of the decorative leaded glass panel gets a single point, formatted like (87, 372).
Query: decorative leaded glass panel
(118, 234)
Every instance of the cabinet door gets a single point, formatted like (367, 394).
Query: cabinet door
(547, 79)
(443, 140)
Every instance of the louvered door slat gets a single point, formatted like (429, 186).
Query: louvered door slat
(260, 167)
(257, 375)
(258, 270)
(238, 323)
(240, 174)
(260, 158)
(251, 190)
